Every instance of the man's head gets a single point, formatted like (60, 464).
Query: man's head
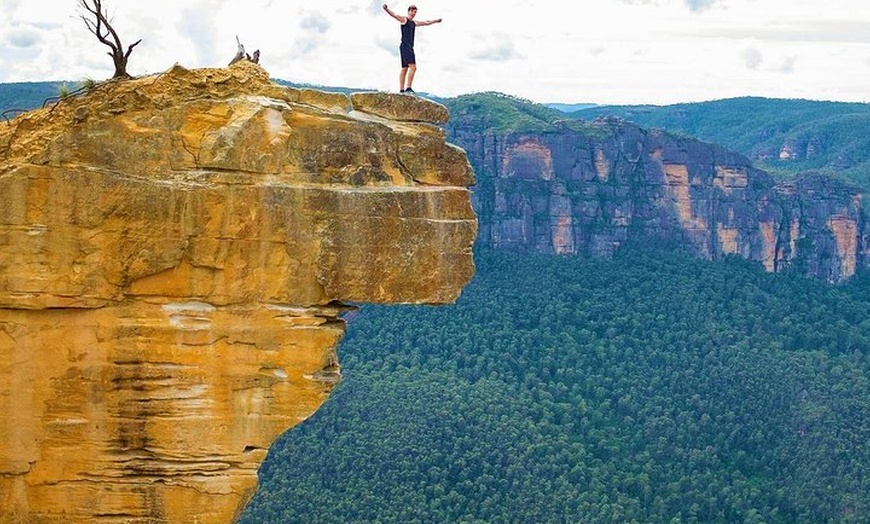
(412, 11)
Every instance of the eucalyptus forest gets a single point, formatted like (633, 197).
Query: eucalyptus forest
(653, 387)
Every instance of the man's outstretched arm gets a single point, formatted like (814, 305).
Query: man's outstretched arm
(427, 22)
(401, 19)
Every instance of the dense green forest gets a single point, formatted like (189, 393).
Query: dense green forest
(830, 137)
(501, 113)
(650, 388)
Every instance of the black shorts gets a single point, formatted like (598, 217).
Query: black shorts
(407, 54)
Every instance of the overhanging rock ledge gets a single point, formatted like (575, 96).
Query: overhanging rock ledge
(175, 252)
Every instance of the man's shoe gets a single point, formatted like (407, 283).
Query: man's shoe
(401, 90)
(409, 90)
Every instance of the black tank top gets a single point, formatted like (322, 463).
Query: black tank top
(408, 33)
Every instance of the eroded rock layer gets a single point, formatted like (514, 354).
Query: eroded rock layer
(174, 253)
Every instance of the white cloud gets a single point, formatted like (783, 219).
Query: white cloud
(752, 58)
(700, 5)
(498, 48)
(820, 31)
(200, 32)
(315, 22)
(23, 37)
(305, 45)
(614, 51)
(693, 5)
(787, 65)
(374, 8)
(387, 44)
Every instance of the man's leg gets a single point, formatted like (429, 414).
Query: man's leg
(412, 68)
(402, 79)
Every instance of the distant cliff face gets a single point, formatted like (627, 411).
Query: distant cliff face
(174, 253)
(589, 189)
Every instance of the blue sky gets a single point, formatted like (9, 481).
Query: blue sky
(602, 51)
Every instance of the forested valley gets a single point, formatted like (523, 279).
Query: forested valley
(650, 388)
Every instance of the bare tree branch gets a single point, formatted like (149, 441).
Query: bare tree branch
(97, 22)
(242, 55)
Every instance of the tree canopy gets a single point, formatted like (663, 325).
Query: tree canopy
(650, 388)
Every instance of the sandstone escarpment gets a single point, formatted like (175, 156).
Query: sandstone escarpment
(175, 252)
(587, 189)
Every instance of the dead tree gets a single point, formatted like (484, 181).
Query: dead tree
(97, 22)
(242, 55)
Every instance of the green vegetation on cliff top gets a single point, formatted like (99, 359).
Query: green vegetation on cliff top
(501, 113)
(826, 137)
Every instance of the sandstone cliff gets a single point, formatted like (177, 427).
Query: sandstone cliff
(588, 188)
(175, 252)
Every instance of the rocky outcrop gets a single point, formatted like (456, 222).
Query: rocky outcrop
(589, 188)
(175, 252)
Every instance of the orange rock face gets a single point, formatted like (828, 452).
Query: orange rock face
(174, 253)
(845, 231)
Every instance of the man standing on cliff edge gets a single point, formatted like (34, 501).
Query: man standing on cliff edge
(406, 48)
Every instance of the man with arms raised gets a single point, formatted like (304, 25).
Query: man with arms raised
(406, 48)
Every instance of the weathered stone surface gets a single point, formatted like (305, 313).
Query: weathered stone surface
(144, 412)
(323, 100)
(405, 108)
(822, 229)
(174, 251)
(592, 189)
(423, 156)
(78, 238)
